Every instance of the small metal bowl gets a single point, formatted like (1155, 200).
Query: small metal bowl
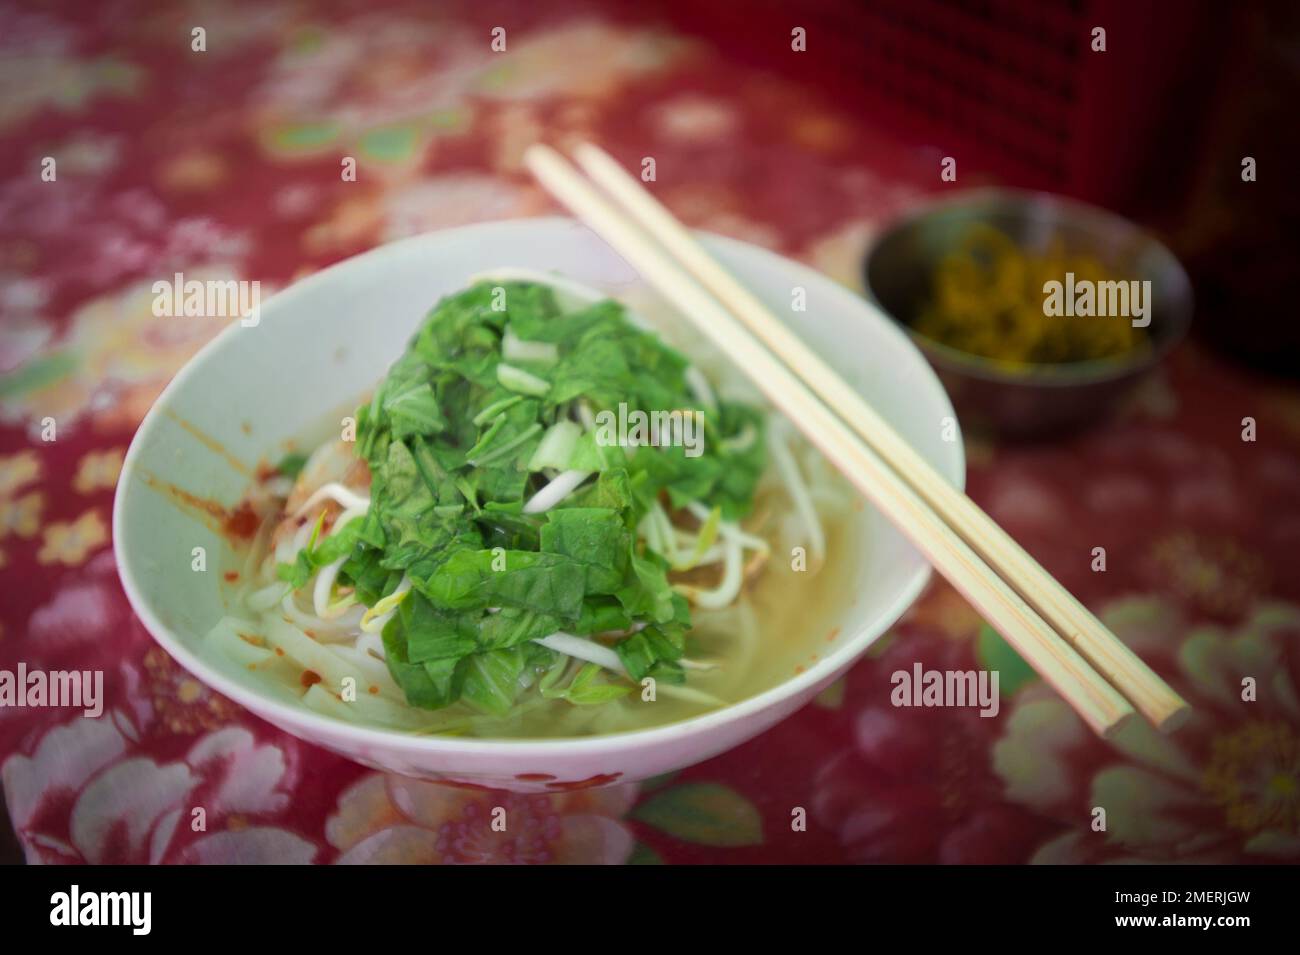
(1030, 401)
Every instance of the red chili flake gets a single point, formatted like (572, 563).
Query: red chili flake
(310, 678)
(242, 522)
(231, 575)
(374, 690)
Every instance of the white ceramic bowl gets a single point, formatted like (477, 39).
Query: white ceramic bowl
(327, 339)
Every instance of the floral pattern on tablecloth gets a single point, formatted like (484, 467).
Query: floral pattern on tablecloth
(225, 164)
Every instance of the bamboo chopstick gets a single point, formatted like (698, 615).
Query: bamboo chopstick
(1112, 658)
(1096, 701)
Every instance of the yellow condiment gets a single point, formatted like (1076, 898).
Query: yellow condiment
(988, 300)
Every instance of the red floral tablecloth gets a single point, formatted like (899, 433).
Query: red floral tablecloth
(226, 162)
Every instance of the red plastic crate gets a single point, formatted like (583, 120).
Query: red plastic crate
(1009, 87)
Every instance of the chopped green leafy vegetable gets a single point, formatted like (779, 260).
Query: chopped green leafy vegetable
(485, 408)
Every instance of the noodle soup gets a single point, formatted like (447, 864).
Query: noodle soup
(475, 556)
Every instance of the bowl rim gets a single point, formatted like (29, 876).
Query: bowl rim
(1059, 375)
(316, 726)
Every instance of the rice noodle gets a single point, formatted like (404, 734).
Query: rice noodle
(266, 597)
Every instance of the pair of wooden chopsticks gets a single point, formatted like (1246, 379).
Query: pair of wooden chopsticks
(1101, 678)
